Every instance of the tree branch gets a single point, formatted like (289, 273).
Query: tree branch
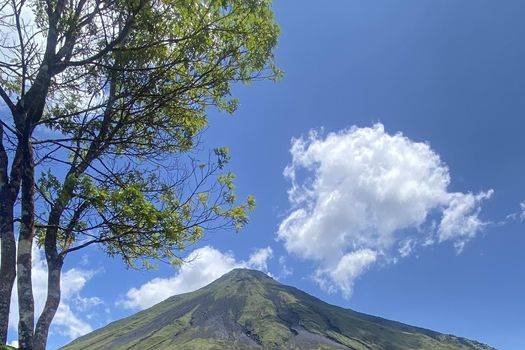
(7, 100)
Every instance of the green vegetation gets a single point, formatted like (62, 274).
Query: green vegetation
(247, 310)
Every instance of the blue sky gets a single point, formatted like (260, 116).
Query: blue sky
(450, 74)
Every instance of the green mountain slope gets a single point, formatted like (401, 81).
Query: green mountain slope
(246, 309)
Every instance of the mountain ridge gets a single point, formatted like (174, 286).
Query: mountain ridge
(246, 309)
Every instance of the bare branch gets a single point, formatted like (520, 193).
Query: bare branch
(7, 99)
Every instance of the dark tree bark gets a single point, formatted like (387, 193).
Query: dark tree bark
(7, 243)
(7, 267)
(24, 253)
(9, 188)
(54, 267)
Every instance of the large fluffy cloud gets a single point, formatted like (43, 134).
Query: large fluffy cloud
(202, 266)
(68, 320)
(359, 193)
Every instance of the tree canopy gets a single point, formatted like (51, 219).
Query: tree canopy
(106, 101)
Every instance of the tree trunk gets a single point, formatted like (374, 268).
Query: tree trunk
(7, 267)
(26, 306)
(54, 268)
(7, 243)
(26, 114)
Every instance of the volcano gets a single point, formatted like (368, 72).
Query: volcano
(247, 309)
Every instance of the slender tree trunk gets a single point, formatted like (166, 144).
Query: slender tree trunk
(54, 267)
(54, 270)
(7, 267)
(7, 243)
(26, 306)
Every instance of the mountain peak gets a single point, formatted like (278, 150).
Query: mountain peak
(244, 272)
(240, 280)
(247, 309)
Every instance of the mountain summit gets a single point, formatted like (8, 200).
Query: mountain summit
(246, 309)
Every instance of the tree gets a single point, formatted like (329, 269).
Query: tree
(106, 100)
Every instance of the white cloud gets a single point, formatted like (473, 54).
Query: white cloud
(349, 267)
(285, 270)
(520, 215)
(259, 259)
(461, 220)
(86, 303)
(69, 323)
(203, 266)
(363, 191)
(68, 320)
(406, 247)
